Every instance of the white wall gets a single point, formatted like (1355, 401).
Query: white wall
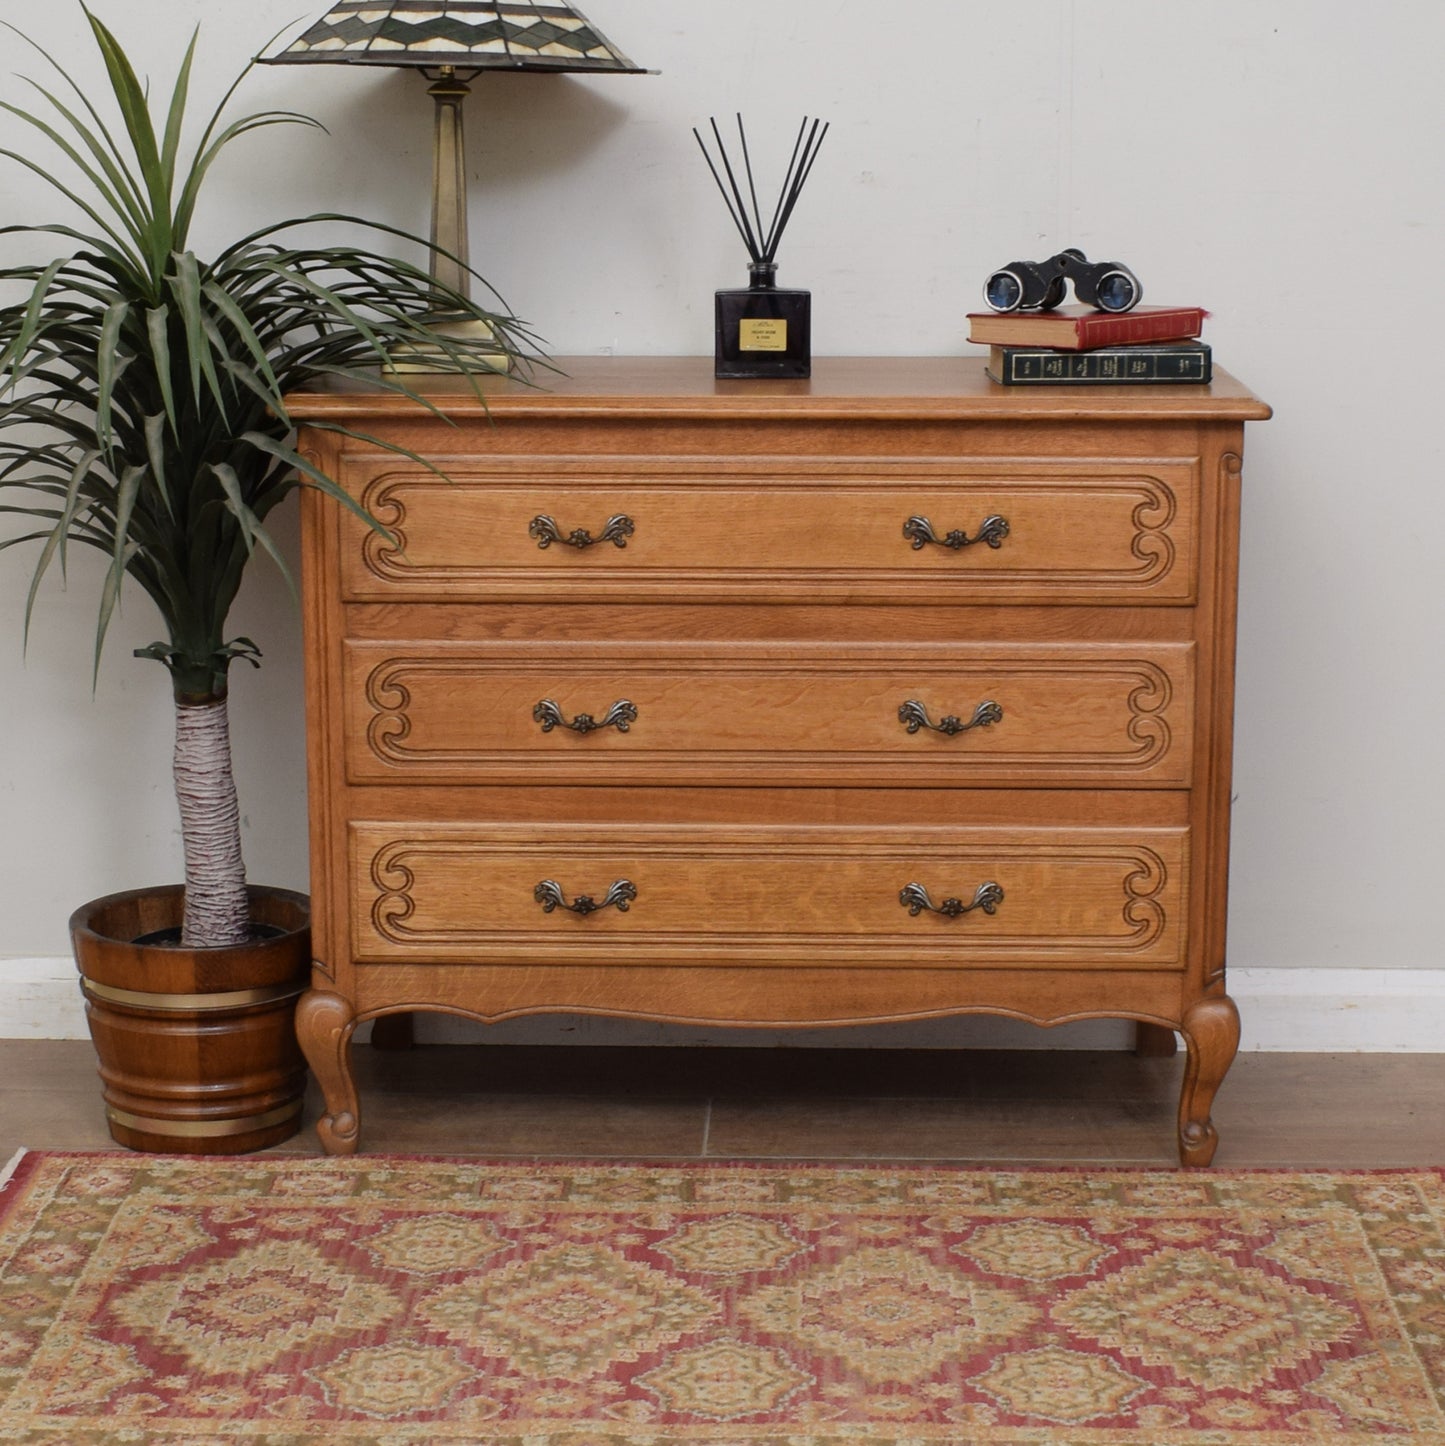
(1278, 161)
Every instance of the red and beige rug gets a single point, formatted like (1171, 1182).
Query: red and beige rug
(385, 1301)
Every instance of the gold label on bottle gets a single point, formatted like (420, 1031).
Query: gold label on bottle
(762, 335)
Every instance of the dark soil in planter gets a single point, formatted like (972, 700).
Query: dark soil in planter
(171, 938)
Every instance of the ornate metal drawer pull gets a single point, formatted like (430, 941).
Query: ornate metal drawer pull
(549, 894)
(618, 529)
(914, 898)
(919, 530)
(913, 715)
(620, 716)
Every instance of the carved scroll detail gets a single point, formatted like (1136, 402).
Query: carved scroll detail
(1148, 704)
(1142, 888)
(382, 551)
(1153, 543)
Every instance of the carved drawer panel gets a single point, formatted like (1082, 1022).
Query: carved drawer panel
(776, 530)
(768, 894)
(549, 713)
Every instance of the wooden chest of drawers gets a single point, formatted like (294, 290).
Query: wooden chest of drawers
(889, 695)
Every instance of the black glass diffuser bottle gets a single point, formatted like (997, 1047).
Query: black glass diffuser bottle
(763, 331)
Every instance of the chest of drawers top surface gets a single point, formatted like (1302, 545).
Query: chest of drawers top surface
(898, 388)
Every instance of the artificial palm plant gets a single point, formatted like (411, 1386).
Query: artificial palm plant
(142, 399)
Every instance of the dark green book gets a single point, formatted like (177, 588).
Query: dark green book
(1147, 363)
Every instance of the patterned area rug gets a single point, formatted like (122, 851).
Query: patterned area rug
(384, 1301)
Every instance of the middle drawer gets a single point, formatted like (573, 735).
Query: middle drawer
(1064, 714)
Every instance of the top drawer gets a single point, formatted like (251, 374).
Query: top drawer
(626, 529)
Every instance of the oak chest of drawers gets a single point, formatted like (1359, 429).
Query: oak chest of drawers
(889, 695)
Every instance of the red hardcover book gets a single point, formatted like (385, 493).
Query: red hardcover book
(1081, 328)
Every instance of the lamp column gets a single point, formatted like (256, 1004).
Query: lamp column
(450, 244)
(449, 183)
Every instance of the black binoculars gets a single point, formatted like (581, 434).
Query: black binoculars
(1041, 285)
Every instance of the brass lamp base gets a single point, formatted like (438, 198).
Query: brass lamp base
(485, 352)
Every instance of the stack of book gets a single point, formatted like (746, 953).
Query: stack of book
(1076, 345)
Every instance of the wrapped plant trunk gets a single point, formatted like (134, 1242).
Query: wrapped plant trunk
(217, 907)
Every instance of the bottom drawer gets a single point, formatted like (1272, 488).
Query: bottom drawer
(943, 897)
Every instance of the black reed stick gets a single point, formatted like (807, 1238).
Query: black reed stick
(762, 243)
(787, 179)
(748, 164)
(737, 221)
(754, 247)
(805, 168)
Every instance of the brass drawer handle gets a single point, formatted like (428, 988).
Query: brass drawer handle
(919, 530)
(913, 715)
(914, 898)
(618, 529)
(621, 715)
(549, 894)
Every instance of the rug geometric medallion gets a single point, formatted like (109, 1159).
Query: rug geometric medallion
(390, 1301)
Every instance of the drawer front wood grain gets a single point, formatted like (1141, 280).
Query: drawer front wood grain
(879, 898)
(638, 529)
(1084, 714)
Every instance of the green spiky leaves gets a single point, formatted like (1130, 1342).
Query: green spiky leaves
(142, 388)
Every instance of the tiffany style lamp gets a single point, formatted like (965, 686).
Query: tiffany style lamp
(451, 42)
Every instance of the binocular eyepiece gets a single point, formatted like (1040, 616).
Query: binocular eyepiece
(1041, 285)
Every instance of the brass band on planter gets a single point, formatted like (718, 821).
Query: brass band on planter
(203, 1129)
(235, 999)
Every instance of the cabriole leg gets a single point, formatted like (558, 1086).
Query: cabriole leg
(1211, 1035)
(324, 1025)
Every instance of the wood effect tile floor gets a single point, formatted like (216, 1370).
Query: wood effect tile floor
(989, 1106)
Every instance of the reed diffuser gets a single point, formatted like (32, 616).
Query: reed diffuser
(764, 330)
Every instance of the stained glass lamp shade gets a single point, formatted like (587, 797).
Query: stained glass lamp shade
(481, 34)
(452, 41)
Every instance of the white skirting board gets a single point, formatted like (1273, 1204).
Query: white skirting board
(1385, 1011)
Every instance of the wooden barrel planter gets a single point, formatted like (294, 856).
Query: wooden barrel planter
(197, 1047)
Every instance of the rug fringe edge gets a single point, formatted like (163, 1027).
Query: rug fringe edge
(8, 1170)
